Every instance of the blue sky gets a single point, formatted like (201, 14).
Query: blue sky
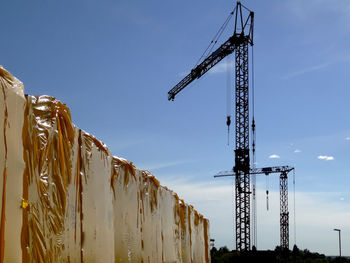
(113, 62)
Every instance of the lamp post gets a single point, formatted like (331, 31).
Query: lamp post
(335, 229)
(212, 241)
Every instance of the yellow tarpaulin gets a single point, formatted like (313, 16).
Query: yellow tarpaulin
(65, 198)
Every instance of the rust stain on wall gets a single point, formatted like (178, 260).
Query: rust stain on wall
(48, 135)
(25, 228)
(4, 173)
(206, 241)
(120, 163)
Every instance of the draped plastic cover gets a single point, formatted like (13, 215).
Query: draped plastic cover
(65, 198)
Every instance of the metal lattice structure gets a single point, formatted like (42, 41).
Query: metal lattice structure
(284, 214)
(242, 167)
(238, 43)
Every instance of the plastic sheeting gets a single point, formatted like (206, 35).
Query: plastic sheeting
(65, 198)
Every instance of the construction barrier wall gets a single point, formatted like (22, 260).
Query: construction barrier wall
(65, 198)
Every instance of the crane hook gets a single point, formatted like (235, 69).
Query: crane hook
(267, 200)
(228, 123)
(267, 192)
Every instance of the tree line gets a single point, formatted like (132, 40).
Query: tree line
(279, 255)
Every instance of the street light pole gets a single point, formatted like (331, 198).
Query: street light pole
(335, 229)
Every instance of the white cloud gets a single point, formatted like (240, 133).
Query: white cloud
(347, 138)
(342, 57)
(297, 151)
(325, 157)
(274, 156)
(313, 8)
(222, 67)
(307, 70)
(155, 166)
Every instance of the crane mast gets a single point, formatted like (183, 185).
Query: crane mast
(238, 43)
(242, 160)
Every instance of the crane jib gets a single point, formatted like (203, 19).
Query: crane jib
(224, 50)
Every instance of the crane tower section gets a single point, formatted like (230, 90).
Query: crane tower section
(241, 167)
(284, 214)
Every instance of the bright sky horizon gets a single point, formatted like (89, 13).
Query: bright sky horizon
(113, 62)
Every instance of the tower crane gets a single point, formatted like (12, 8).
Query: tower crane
(284, 213)
(239, 42)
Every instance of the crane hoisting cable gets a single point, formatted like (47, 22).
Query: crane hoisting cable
(267, 192)
(228, 98)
